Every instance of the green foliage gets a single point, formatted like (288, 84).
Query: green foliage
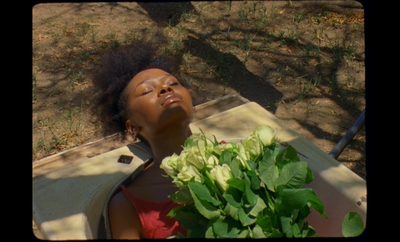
(352, 225)
(264, 196)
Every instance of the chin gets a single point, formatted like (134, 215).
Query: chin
(177, 113)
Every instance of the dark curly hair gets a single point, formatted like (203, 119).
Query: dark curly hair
(117, 68)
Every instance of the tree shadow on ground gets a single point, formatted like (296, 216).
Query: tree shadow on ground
(166, 13)
(233, 72)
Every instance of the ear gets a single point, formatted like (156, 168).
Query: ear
(133, 129)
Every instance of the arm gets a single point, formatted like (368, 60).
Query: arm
(124, 219)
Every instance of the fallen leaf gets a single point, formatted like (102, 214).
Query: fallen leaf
(281, 11)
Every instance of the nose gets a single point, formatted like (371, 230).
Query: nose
(165, 89)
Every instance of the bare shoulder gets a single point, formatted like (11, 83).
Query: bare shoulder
(124, 219)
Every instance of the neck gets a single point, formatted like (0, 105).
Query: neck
(168, 142)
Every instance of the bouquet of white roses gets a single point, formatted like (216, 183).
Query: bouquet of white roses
(248, 189)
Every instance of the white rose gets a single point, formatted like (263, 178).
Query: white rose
(221, 174)
(188, 172)
(212, 161)
(194, 157)
(253, 145)
(169, 165)
(265, 134)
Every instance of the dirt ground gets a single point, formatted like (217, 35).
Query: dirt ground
(303, 61)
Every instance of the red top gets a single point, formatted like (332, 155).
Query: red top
(153, 216)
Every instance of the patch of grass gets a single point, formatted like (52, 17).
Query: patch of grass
(221, 66)
(317, 19)
(318, 35)
(110, 42)
(298, 17)
(55, 37)
(311, 50)
(243, 15)
(305, 88)
(82, 29)
(244, 43)
(60, 134)
(189, 16)
(261, 18)
(342, 50)
(92, 36)
(74, 76)
(131, 36)
(172, 47)
(226, 34)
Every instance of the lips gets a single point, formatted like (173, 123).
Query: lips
(170, 98)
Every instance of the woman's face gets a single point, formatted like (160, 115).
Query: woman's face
(156, 101)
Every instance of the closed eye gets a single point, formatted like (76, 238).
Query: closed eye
(146, 91)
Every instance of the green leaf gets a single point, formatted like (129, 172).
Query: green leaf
(243, 234)
(317, 204)
(293, 174)
(254, 180)
(296, 231)
(309, 232)
(203, 193)
(265, 223)
(276, 233)
(209, 234)
(226, 228)
(257, 232)
(280, 155)
(260, 206)
(188, 217)
(225, 158)
(182, 196)
(302, 215)
(352, 225)
(209, 183)
(198, 232)
(249, 195)
(232, 211)
(267, 220)
(275, 149)
(291, 154)
(267, 170)
(244, 218)
(205, 208)
(236, 183)
(270, 200)
(292, 199)
(286, 226)
(235, 168)
(252, 165)
(281, 164)
(215, 143)
(233, 196)
(309, 177)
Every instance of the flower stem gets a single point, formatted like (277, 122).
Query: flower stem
(244, 161)
(266, 196)
(247, 166)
